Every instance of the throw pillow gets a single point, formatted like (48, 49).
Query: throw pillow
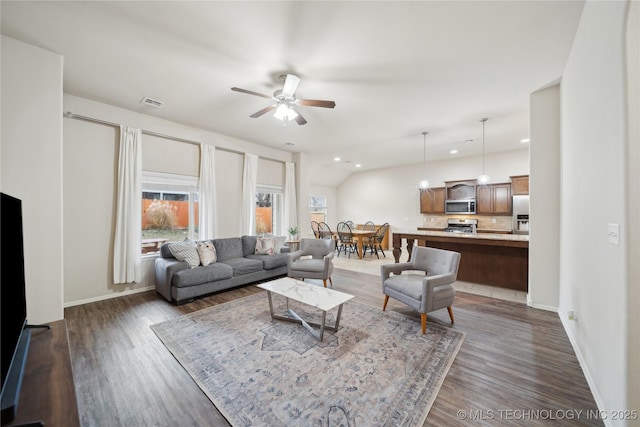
(207, 253)
(186, 251)
(265, 245)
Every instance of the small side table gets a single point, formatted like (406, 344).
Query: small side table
(293, 244)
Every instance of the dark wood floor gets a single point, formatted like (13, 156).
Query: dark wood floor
(516, 365)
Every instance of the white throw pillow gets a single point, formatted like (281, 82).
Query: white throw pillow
(265, 245)
(186, 251)
(207, 253)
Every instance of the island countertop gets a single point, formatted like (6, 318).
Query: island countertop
(491, 259)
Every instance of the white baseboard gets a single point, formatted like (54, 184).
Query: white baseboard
(110, 296)
(596, 396)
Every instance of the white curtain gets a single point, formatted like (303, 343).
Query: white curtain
(127, 244)
(290, 214)
(249, 183)
(207, 201)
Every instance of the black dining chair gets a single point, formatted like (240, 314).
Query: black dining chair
(376, 240)
(368, 243)
(315, 227)
(345, 239)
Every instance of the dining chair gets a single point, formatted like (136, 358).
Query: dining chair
(368, 226)
(315, 227)
(351, 224)
(345, 239)
(375, 242)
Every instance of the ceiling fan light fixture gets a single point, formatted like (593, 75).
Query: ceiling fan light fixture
(283, 112)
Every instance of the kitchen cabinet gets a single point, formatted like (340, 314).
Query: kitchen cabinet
(432, 200)
(519, 185)
(493, 199)
(460, 190)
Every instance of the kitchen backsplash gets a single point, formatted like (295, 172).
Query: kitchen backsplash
(503, 223)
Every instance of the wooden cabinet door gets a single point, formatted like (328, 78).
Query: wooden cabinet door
(439, 194)
(493, 199)
(432, 200)
(484, 200)
(501, 199)
(520, 185)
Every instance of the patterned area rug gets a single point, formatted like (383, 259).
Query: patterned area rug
(376, 370)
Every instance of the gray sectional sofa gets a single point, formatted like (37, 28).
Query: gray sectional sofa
(237, 264)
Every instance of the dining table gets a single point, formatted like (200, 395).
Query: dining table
(359, 237)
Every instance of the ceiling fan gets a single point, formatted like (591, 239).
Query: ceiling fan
(285, 101)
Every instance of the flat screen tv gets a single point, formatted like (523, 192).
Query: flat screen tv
(14, 336)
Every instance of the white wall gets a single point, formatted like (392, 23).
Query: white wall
(31, 167)
(391, 194)
(593, 279)
(544, 191)
(90, 171)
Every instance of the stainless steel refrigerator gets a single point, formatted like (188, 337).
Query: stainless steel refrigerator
(520, 214)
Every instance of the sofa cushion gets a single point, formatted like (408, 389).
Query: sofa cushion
(271, 261)
(249, 245)
(229, 248)
(244, 265)
(198, 276)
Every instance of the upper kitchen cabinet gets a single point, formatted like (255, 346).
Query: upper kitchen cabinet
(520, 185)
(432, 200)
(493, 199)
(460, 190)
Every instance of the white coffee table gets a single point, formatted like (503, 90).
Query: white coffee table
(315, 296)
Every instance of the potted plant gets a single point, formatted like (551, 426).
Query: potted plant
(293, 232)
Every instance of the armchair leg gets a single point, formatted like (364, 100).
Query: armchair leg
(386, 300)
(324, 281)
(450, 313)
(423, 319)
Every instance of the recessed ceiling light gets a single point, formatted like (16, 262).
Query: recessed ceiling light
(453, 152)
(358, 165)
(336, 159)
(524, 141)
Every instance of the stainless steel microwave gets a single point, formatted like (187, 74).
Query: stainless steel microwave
(460, 206)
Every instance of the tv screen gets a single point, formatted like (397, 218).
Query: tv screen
(14, 343)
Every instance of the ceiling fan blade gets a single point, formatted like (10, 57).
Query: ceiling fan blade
(316, 103)
(263, 111)
(299, 119)
(250, 92)
(290, 85)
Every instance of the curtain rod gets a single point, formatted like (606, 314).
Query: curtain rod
(71, 115)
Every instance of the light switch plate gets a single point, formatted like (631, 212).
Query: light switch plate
(614, 234)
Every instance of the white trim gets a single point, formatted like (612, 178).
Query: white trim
(540, 306)
(106, 297)
(162, 178)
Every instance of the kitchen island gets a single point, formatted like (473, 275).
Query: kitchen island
(490, 259)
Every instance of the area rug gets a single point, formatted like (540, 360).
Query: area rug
(376, 370)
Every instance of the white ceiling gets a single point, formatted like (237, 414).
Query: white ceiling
(394, 69)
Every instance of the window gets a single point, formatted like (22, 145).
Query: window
(269, 205)
(169, 209)
(318, 208)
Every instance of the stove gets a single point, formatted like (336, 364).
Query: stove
(461, 225)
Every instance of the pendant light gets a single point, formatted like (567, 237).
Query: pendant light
(424, 184)
(484, 178)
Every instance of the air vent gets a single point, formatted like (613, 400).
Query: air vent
(151, 102)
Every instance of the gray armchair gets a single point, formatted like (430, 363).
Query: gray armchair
(426, 292)
(314, 260)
